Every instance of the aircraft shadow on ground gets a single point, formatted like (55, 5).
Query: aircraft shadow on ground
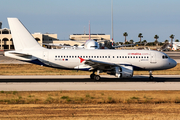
(146, 79)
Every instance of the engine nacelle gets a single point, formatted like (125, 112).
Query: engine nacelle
(124, 71)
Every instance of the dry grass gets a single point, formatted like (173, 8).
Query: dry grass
(85, 105)
(95, 97)
(31, 69)
(90, 112)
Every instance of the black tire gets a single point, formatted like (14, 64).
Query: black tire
(151, 78)
(97, 77)
(92, 76)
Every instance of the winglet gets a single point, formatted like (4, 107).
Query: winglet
(81, 59)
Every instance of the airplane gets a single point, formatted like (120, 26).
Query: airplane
(120, 63)
(175, 46)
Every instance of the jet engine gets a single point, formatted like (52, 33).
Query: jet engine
(122, 71)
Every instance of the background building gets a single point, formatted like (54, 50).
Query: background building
(6, 41)
(86, 37)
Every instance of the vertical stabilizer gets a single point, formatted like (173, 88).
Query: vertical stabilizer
(22, 38)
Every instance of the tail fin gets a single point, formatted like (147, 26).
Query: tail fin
(22, 38)
(174, 47)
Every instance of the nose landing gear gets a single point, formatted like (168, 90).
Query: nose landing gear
(150, 75)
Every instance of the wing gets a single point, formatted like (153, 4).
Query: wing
(100, 65)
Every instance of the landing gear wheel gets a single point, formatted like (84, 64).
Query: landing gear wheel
(97, 77)
(151, 78)
(150, 75)
(92, 76)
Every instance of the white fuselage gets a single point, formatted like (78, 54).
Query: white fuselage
(69, 59)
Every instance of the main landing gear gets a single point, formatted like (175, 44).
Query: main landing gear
(150, 75)
(94, 76)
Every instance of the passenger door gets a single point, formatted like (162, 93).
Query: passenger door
(45, 57)
(153, 58)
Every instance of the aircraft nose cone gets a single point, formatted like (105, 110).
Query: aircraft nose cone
(173, 63)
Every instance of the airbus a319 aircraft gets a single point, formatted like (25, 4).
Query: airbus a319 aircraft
(120, 63)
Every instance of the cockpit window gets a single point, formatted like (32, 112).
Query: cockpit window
(165, 57)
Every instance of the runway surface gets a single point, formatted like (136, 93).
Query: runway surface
(83, 82)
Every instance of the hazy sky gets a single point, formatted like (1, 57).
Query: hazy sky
(65, 17)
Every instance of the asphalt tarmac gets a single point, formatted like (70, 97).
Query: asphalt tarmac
(83, 82)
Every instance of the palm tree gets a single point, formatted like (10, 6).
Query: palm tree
(156, 41)
(125, 34)
(166, 41)
(176, 40)
(131, 41)
(140, 36)
(145, 42)
(172, 37)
